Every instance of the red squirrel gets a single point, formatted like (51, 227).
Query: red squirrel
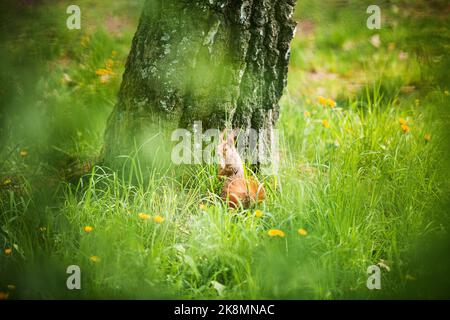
(237, 188)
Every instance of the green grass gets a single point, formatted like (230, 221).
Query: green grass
(365, 191)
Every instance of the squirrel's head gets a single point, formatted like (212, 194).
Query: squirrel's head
(230, 163)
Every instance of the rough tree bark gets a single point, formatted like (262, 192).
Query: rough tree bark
(214, 61)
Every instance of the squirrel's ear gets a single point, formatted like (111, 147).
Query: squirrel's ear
(221, 135)
(232, 135)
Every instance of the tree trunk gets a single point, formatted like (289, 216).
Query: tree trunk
(214, 61)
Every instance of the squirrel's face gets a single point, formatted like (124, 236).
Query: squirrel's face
(224, 153)
(230, 162)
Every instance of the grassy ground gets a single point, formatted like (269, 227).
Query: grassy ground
(367, 179)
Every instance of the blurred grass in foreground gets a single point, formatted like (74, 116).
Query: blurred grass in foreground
(365, 189)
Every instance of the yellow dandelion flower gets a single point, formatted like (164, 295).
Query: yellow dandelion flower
(276, 233)
(94, 259)
(8, 251)
(144, 216)
(11, 287)
(331, 103)
(405, 128)
(102, 72)
(322, 100)
(325, 124)
(7, 182)
(23, 153)
(402, 122)
(158, 219)
(4, 295)
(307, 114)
(302, 232)
(259, 213)
(427, 137)
(88, 229)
